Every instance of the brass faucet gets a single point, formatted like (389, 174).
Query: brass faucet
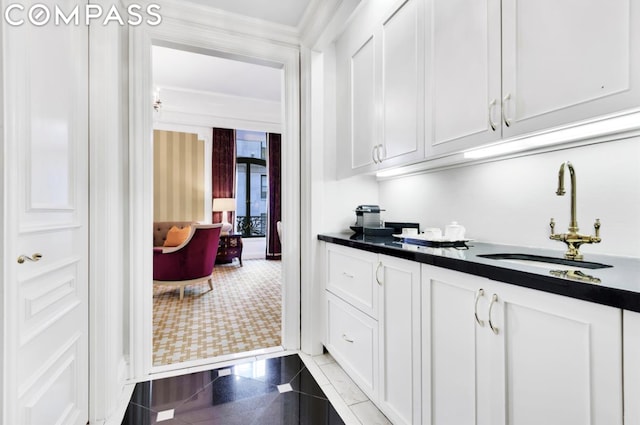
(573, 239)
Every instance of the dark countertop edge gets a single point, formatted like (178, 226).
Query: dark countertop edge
(612, 297)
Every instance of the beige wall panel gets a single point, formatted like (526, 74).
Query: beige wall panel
(178, 176)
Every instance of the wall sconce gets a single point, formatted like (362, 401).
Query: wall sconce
(157, 103)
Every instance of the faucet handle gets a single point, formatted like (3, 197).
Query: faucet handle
(596, 226)
(552, 224)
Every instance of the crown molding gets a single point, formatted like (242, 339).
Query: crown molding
(223, 21)
(324, 21)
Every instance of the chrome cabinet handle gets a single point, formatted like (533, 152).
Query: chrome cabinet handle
(377, 270)
(492, 105)
(349, 275)
(506, 119)
(346, 338)
(374, 155)
(494, 299)
(37, 256)
(382, 148)
(479, 295)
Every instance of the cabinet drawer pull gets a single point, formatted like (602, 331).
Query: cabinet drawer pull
(507, 120)
(377, 270)
(492, 105)
(494, 299)
(349, 275)
(374, 155)
(479, 295)
(346, 338)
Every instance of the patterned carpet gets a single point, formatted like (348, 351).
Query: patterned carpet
(242, 313)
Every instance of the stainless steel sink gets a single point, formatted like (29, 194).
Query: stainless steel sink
(542, 261)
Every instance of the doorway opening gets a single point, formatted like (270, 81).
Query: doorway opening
(243, 314)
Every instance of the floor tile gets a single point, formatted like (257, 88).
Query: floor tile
(347, 389)
(304, 383)
(294, 408)
(323, 359)
(347, 415)
(369, 414)
(137, 415)
(241, 394)
(162, 394)
(274, 371)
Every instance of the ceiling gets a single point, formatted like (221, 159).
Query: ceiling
(204, 73)
(285, 12)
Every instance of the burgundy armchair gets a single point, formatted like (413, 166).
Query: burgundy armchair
(189, 263)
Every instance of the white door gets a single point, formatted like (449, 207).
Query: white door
(45, 313)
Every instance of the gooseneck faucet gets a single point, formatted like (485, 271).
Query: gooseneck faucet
(572, 238)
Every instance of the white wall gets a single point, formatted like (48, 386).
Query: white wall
(511, 201)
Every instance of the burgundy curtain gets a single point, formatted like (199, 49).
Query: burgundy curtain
(274, 213)
(223, 170)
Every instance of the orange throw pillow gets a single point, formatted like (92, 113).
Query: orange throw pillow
(176, 237)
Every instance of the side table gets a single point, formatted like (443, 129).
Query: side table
(230, 247)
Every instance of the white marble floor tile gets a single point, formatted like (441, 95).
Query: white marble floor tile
(314, 369)
(369, 414)
(347, 415)
(323, 359)
(347, 389)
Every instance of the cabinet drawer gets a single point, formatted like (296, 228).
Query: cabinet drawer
(352, 339)
(351, 276)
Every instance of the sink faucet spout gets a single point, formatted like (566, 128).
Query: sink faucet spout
(572, 238)
(573, 224)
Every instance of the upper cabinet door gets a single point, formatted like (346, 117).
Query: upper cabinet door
(462, 74)
(402, 85)
(568, 61)
(363, 104)
(356, 94)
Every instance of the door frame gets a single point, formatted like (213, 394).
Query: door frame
(194, 36)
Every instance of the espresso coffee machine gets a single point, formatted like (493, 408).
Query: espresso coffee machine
(368, 221)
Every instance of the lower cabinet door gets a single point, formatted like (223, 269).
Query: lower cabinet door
(556, 360)
(452, 347)
(498, 354)
(400, 340)
(352, 339)
(631, 360)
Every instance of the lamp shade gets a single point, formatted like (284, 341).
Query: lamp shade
(224, 204)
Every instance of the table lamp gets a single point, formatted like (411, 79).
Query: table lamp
(224, 205)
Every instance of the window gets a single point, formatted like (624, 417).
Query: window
(251, 181)
(263, 186)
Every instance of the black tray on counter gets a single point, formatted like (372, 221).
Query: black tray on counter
(373, 231)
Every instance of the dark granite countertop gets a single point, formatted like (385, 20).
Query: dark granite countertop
(616, 286)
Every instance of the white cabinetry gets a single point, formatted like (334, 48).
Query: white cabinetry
(352, 313)
(373, 327)
(380, 89)
(505, 68)
(399, 326)
(567, 61)
(463, 74)
(402, 85)
(496, 354)
(352, 339)
(631, 358)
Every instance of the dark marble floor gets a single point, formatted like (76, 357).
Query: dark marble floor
(272, 391)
